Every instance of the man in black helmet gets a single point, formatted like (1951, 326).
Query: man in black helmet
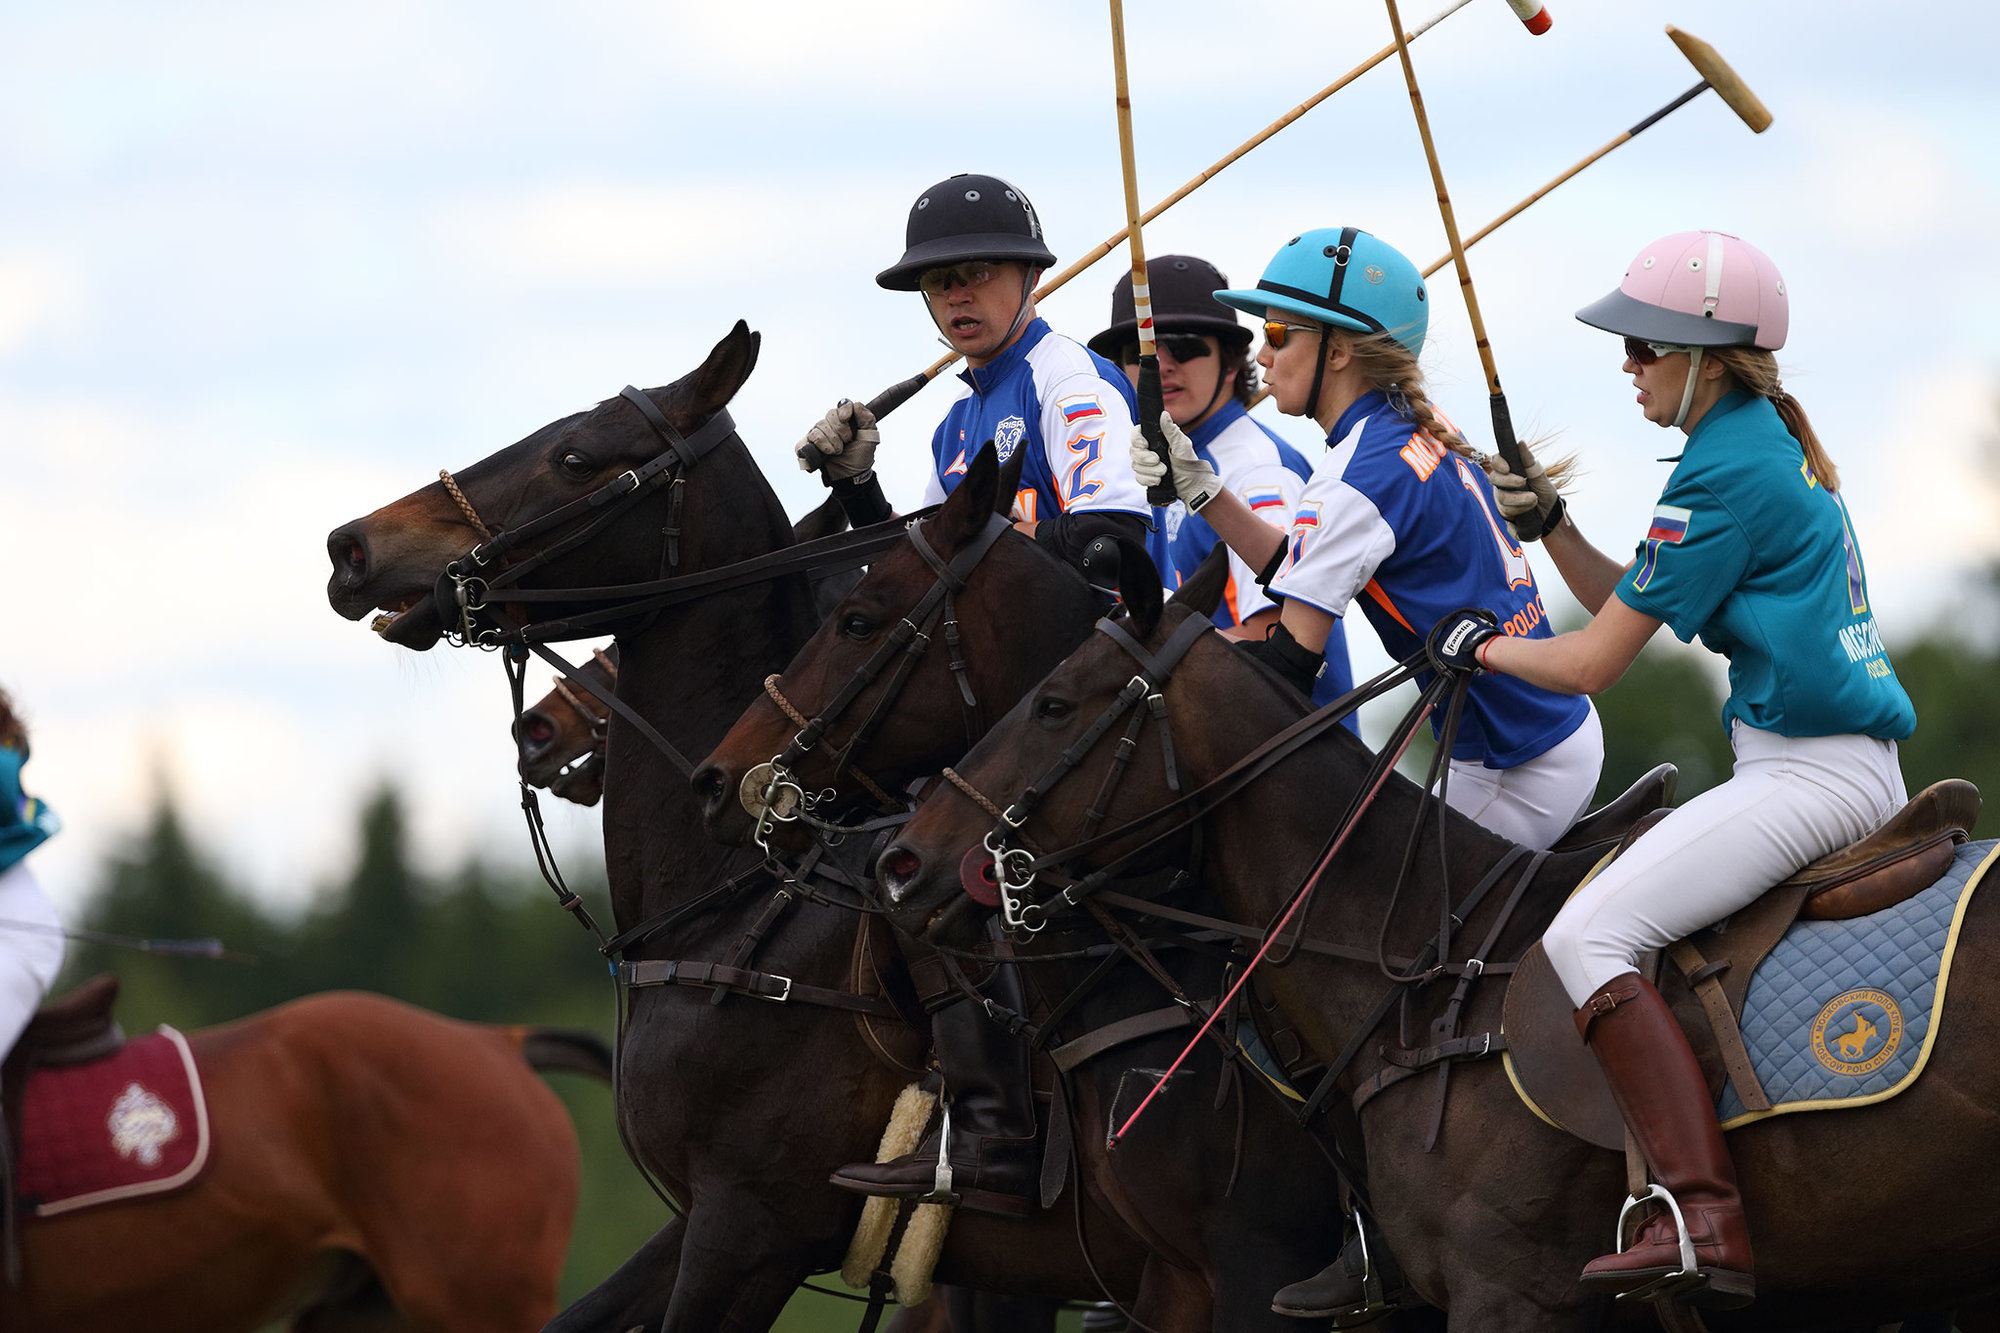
(1207, 382)
(974, 250)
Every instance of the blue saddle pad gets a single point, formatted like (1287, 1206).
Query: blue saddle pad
(1841, 1013)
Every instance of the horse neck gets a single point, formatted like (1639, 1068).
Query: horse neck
(690, 674)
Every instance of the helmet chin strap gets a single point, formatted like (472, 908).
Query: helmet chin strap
(1319, 376)
(1687, 394)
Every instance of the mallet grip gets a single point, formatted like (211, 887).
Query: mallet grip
(893, 397)
(1528, 525)
(1150, 408)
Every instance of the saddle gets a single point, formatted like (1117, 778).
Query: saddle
(1903, 857)
(73, 1029)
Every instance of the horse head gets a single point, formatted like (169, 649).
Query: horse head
(954, 830)
(936, 684)
(561, 739)
(588, 494)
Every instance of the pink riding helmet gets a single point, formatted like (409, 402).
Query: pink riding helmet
(1697, 289)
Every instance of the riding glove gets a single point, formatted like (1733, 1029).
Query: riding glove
(1524, 492)
(1455, 641)
(1298, 664)
(1195, 481)
(841, 445)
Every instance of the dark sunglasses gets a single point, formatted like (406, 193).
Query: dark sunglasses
(1182, 347)
(1645, 353)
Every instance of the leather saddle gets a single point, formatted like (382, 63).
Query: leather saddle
(75, 1028)
(1713, 967)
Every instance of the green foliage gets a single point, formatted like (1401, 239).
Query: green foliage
(1666, 710)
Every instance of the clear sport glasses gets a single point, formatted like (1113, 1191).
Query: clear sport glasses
(1276, 331)
(1646, 353)
(973, 273)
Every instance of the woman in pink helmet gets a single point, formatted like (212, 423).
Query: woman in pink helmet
(1752, 549)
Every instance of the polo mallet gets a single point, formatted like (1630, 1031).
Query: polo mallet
(1715, 73)
(1528, 525)
(1161, 493)
(902, 391)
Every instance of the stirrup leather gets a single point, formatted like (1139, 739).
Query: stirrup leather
(1671, 1284)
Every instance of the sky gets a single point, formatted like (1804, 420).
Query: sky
(265, 268)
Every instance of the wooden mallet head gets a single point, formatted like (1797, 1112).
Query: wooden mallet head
(1715, 70)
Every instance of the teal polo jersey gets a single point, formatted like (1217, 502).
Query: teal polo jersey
(1749, 551)
(25, 823)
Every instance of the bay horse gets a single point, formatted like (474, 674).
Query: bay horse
(1231, 1202)
(741, 1107)
(1496, 1223)
(373, 1166)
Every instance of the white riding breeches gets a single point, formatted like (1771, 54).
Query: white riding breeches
(31, 950)
(1791, 800)
(1536, 802)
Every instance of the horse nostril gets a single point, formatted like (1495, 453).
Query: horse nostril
(349, 556)
(901, 864)
(537, 731)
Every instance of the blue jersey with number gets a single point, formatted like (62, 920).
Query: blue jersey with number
(1410, 528)
(1269, 476)
(1749, 551)
(1066, 407)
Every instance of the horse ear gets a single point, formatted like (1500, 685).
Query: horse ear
(1139, 587)
(716, 381)
(966, 509)
(824, 521)
(1009, 485)
(1204, 588)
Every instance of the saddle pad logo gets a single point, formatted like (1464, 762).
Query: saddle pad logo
(1007, 437)
(1857, 1031)
(141, 1124)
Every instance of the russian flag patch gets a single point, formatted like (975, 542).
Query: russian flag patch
(1670, 526)
(1079, 409)
(1264, 499)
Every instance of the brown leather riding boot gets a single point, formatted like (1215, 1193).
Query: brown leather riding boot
(1664, 1098)
(996, 1160)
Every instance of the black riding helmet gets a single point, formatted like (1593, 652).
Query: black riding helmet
(1183, 289)
(967, 217)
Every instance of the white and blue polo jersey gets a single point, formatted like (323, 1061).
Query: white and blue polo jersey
(1270, 476)
(1749, 551)
(1392, 517)
(1067, 406)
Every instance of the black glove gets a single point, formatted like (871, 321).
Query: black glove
(1298, 664)
(1454, 641)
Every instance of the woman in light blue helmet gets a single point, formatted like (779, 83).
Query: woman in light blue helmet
(31, 938)
(1397, 514)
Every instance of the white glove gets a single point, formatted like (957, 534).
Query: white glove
(841, 444)
(1195, 482)
(1525, 492)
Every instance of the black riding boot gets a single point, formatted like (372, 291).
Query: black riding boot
(995, 1162)
(1358, 1287)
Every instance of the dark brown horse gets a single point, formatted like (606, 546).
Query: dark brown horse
(743, 1106)
(1230, 1197)
(374, 1166)
(1495, 1224)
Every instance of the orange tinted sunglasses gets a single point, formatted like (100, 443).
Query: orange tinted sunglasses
(1277, 330)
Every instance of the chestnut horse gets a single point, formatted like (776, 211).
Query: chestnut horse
(1233, 1201)
(1495, 1224)
(373, 1166)
(744, 1106)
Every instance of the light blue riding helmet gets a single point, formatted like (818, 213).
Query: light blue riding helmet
(1346, 277)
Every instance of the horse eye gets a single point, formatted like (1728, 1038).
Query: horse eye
(1051, 709)
(575, 464)
(857, 627)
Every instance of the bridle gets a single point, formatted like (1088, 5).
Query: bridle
(772, 792)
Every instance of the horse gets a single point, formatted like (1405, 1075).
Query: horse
(1495, 1223)
(1231, 1205)
(374, 1166)
(747, 1104)
(561, 744)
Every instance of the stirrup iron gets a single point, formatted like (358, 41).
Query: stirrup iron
(1671, 1284)
(941, 1191)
